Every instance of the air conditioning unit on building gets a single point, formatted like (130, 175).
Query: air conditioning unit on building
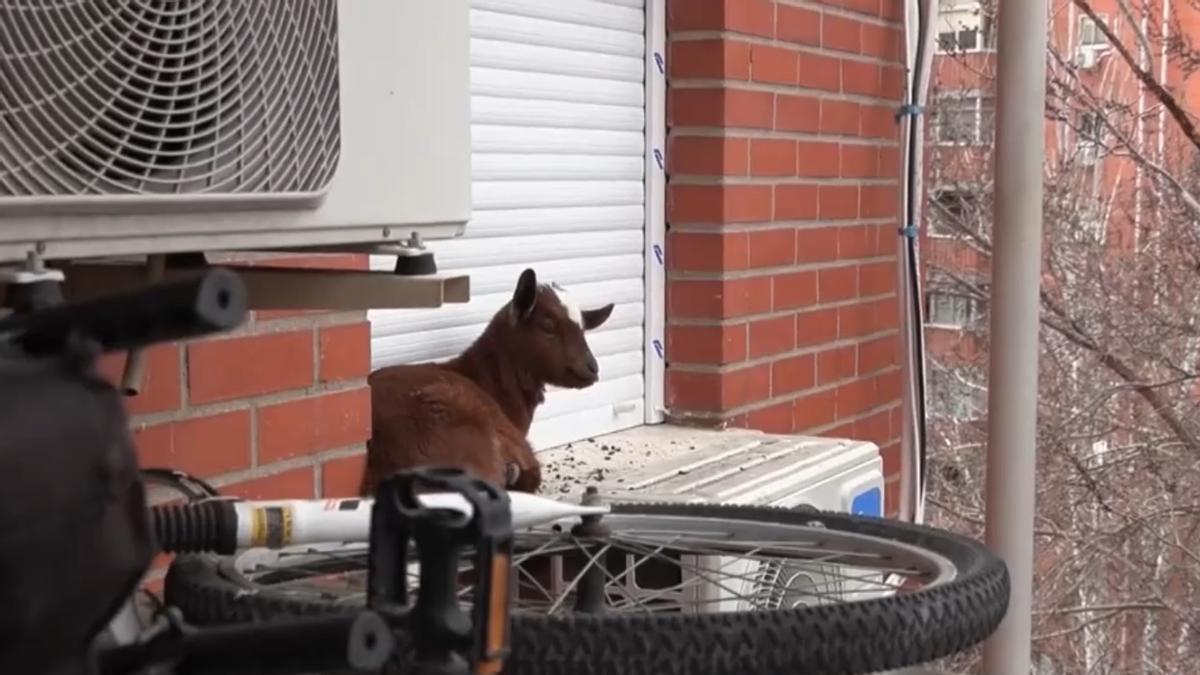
(783, 471)
(1087, 58)
(129, 128)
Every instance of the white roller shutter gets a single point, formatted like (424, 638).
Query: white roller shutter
(558, 136)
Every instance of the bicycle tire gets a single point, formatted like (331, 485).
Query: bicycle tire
(852, 637)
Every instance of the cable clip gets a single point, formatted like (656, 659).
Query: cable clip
(909, 231)
(909, 110)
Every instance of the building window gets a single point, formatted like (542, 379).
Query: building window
(956, 398)
(1090, 137)
(1090, 35)
(964, 26)
(951, 210)
(964, 120)
(946, 309)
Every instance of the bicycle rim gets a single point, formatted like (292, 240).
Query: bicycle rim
(687, 589)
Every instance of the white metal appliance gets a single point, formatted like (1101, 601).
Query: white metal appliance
(782, 471)
(130, 128)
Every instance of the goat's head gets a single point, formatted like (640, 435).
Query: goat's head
(550, 330)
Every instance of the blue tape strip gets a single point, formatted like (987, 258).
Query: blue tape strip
(909, 231)
(909, 110)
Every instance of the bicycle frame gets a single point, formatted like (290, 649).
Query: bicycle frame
(224, 525)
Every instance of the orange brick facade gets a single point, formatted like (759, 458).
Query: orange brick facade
(781, 208)
(782, 160)
(277, 409)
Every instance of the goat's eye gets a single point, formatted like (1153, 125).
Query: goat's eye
(549, 325)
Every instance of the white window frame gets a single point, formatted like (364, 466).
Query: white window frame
(654, 370)
(982, 110)
(982, 33)
(934, 210)
(1090, 147)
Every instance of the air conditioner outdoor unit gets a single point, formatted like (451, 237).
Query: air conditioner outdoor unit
(1087, 58)
(767, 470)
(157, 126)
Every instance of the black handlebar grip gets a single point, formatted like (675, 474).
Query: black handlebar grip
(213, 302)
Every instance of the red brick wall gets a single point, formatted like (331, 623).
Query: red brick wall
(781, 208)
(277, 409)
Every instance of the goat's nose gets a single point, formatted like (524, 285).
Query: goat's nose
(592, 366)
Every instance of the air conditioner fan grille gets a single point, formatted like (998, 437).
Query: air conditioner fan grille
(167, 97)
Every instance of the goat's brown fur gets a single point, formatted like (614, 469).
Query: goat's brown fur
(473, 412)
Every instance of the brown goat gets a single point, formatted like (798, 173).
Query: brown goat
(473, 412)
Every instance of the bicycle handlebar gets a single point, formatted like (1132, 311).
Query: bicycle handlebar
(361, 641)
(212, 302)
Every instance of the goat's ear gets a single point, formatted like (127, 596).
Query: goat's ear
(594, 318)
(525, 296)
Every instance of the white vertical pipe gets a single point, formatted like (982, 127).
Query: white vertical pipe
(1016, 276)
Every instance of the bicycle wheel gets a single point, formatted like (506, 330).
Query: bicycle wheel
(695, 589)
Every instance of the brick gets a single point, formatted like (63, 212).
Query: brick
(817, 71)
(855, 321)
(704, 107)
(854, 398)
(716, 392)
(291, 484)
(839, 117)
(837, 283)
(795, 289)
(860, 161)
(819, 159)
(773, 419)
(868, 7)
(817, 245)
(707, 251)
(878, 354)
(709, 59)
(793, 374)
(838, 202)
(834, 365)
(160, 386)
(712, 299)
(712, 345)
(874, 428)
(204, 446)
(876, 278)
(696, 15)
(889, 161)
(841, 34)
(816, 327)
(888, 386)
(798, 25)
(892, 11)
(856, 241)
(772, 336)
(718, 203)
(344, 352)
(773, 248)
(754, 17)
(312, 424)
(772, 157)
(878, 122)
(814, 411)
(220, 370)
(891, 83)
(796, 202)
(748, 109)
(773, 65)
(891, 497)
(882, 42)
(708, 156)
(879, 201)
(892, 459)
(797, 113)
(861, 78)
(342, 477)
